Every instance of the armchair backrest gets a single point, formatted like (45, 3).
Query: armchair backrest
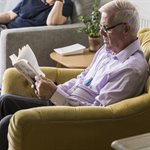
(144, 37)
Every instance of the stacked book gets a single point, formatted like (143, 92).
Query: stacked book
(70, 50)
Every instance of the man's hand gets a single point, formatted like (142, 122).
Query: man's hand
(44, 88)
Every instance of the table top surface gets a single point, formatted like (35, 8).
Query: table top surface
(74, 61)
(139, 142)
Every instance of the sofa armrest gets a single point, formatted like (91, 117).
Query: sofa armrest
(15, 83)
(42, 40)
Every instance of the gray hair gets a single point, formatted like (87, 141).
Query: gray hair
(124, 12)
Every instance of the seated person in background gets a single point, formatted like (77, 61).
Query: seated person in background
(30, 13)
(118, 71)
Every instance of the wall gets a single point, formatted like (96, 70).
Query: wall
(6, 5)
(143, 7)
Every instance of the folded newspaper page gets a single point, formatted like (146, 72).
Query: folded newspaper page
(26, 63)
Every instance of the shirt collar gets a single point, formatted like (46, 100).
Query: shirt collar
(128, 51)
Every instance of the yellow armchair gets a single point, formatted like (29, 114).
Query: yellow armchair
(75, 128)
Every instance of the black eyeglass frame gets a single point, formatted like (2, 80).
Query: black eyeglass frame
(106, 29)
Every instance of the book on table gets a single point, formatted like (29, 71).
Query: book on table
(70, 50)
(26, 63)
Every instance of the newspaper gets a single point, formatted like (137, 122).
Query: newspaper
(26, 63)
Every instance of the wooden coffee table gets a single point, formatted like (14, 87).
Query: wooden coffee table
(73, 61)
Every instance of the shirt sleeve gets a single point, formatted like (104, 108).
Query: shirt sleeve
(62, 98)
(62, 94)
(68, 8)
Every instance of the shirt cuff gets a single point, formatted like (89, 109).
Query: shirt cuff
(59, 98)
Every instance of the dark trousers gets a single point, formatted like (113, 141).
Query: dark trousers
(9, 104)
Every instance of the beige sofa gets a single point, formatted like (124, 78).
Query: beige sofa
(75, 128)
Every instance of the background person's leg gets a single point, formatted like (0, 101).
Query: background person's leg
(9, 104)
(3, 132)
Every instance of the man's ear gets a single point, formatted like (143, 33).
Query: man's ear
(126, 28)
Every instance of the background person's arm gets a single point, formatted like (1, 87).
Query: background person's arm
(55, 17)
(6, 17)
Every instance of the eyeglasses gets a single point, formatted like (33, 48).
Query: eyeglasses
(106, 29)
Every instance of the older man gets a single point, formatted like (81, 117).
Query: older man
(118, 70)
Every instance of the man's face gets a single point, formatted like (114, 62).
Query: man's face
(113, 34)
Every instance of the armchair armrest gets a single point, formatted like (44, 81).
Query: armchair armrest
(78, 128)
